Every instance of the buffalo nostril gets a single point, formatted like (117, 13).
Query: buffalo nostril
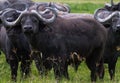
(28, 28)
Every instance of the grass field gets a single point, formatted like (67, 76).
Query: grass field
(83, 74)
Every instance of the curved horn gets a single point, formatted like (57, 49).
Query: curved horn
(67, 7)
(7, 9)
(42, 16)
(62, 7)
(98, 14)
(14, 22)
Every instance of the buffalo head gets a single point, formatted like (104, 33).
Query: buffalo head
(112, 18)
(29, 23)
(31, 20)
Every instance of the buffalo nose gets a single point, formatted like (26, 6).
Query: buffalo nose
(27, 28)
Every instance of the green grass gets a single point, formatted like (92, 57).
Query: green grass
(83, 74)
(84, 7)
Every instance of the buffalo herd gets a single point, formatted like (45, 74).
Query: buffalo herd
(48, 34)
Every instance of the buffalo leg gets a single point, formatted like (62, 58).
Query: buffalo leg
(38, 62)
(25, 67)
(14, 68)
(111, 68)
(61, 68)
(92, 66)
(100, 69)
(56, 67)
(112, 65)
(65, 66)
(66, 71)
(92, 60)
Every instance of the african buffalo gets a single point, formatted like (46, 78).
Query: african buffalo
(56, 37)
(111, 20)
(41, 63)
(15, 47)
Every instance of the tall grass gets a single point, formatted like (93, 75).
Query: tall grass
(83, 73)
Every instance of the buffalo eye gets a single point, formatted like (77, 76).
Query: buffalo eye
(22, 20)
(35, 20)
